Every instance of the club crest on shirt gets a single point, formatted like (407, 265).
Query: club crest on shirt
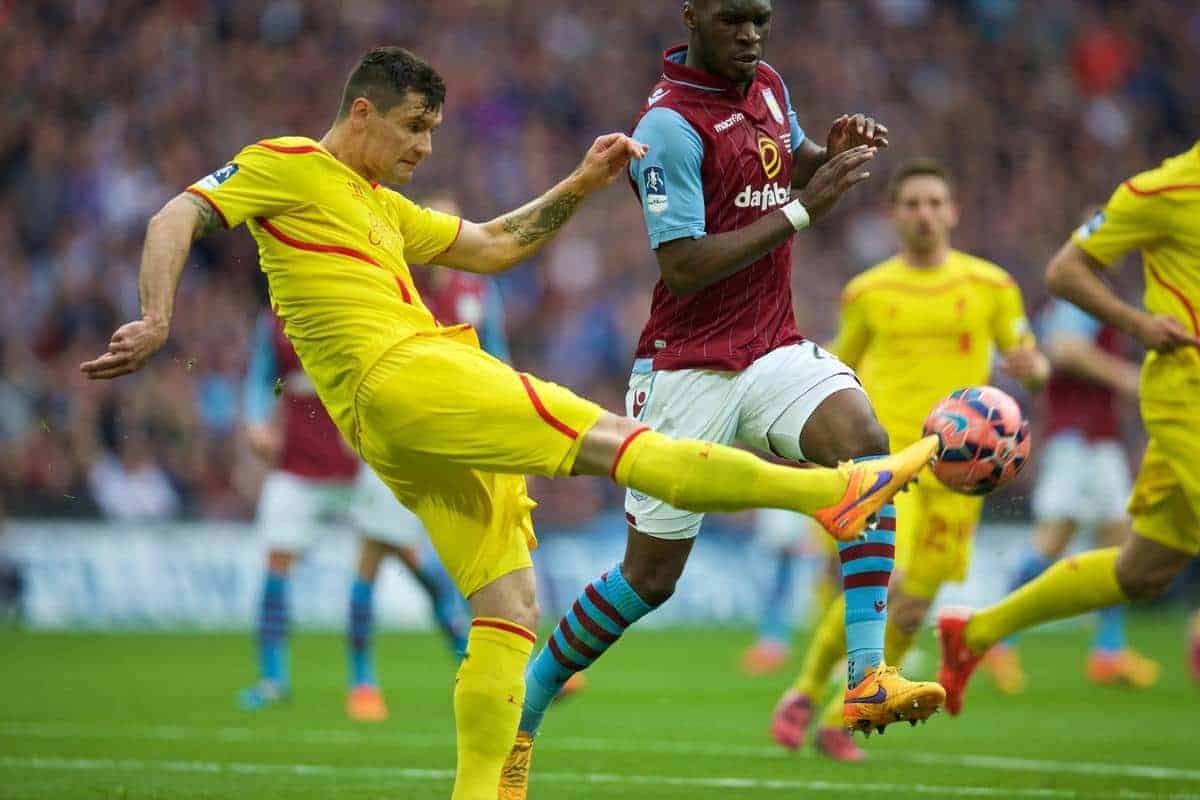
(773, 105)
(217, 178)
(655, 183)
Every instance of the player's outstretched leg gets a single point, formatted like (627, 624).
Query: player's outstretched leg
(1093, 580)
(273, 622)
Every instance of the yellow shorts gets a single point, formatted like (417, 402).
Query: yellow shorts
(935, 528)
(1165, 504)
(452, 431)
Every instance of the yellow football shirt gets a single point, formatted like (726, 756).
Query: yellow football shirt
(1158, 212)
(916, 334)
(335, 248)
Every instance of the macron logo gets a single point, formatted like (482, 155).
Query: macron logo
(729, 122)
(769, 196)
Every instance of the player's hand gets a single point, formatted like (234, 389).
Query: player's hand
(130, 348)
(265, 441)
(1164, 334)
(834, 178)
(607, 158)
(1027, 365)
(851, 131)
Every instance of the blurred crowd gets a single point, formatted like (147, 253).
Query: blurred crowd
(109, 108)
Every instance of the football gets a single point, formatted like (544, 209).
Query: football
(983, 439)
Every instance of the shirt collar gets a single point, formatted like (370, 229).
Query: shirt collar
(676, 71)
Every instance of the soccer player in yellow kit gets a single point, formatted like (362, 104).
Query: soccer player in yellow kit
(450, 429)
(915, 327)
(1158, 213)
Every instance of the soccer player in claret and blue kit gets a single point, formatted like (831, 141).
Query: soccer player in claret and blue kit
(721, 357)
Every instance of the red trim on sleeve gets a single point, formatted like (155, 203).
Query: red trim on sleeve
(544, 413)
(315, 247)
(283, 148)
(211, 202)
(457, 233)
(612, 473)
(1180, 296)
(1174, 187)
(510, 627)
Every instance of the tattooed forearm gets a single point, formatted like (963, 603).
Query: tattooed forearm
(209, 221)
(529, 225)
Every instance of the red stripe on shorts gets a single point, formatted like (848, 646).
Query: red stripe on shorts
(544, 413)
(510, 627)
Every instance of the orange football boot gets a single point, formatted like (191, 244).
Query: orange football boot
(870, 485)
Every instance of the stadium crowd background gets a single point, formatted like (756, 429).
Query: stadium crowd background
(109, 108)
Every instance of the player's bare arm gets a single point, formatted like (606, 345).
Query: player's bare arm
(1028, 365)
(846, 133)
(689, 265)
(1079, 356)
(510, 238)
(169, 237)
(1073, 276)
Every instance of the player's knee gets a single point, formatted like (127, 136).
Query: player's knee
(654, 583)
(1140, 583)
(527, 612)
(866, 439)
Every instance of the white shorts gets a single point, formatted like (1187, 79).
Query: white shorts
(376, 513)
(764, 407)
(293, 512)
(1080, 480)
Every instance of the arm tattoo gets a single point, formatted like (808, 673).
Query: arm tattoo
(529, 226)
(209, 221)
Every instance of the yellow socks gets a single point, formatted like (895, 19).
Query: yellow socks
(895, 644)
(488, 692)
(827, 647)
(701, 476)
(1071, 586)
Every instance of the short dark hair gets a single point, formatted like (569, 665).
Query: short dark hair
(386, 74)
(915, 168)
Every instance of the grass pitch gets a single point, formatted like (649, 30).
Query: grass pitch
(666, 716)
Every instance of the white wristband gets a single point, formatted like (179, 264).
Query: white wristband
(796, 213)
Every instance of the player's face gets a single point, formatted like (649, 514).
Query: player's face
(924, 212)
(731, 35)
(400, 139)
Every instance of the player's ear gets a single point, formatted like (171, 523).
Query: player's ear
(360, 112)
(689, 15)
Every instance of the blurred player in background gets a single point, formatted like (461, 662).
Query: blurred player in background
(916, 327)
(315, 483)
(720, 357)
(1083, 481)
(450, 429)
(1158, 213)
(788, 537)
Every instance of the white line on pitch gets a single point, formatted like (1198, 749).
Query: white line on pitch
(589, 745)
(405, 774)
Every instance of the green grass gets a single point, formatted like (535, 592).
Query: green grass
(666, 716)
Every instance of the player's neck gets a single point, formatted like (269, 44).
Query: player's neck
(341, 148)
(926, 259)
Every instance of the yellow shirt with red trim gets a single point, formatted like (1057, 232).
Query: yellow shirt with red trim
(1158, 212)
(335, 249)
(916, 334)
